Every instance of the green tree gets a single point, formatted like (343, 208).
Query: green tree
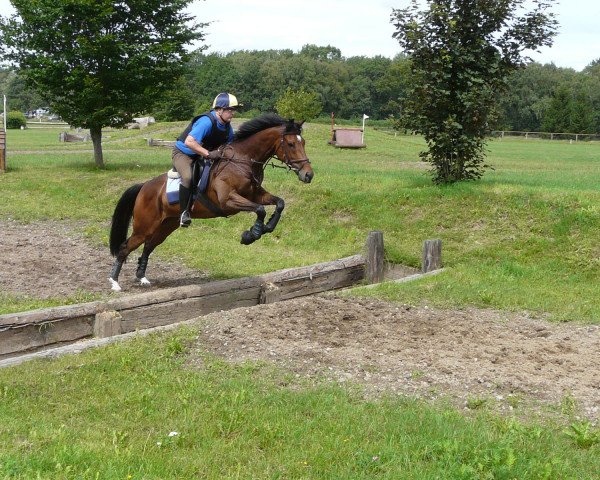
(462, 52)
(298, 104)
(528, 95)
(321, 53)
(557, 117)
(175, 104)
(98, 63)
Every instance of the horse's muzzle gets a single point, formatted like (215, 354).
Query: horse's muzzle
(306, 176)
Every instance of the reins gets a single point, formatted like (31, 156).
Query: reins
(290, 165)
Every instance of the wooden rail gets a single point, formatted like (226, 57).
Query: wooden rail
(37, 329)
(153, 142)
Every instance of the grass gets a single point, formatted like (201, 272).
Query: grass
(522, 238)
(138, 411)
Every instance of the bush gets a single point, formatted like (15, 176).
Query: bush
(15, 120)
(300, 105)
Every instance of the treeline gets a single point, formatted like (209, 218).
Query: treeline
(551, 99)
(539, 97)
(350, 87)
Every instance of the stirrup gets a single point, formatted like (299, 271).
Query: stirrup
(185, 220)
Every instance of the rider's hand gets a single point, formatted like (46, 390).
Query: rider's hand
(214, 155)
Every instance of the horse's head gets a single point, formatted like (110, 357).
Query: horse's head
(290, 150)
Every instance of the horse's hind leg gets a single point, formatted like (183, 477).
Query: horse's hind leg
(127, 247)
(168, 226)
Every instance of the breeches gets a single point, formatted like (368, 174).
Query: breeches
(183, 165)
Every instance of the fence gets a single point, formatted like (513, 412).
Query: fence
(577, 137)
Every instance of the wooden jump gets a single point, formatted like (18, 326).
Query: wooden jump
(154, 142)
(51, 327)
(36, 329)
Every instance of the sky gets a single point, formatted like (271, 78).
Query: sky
(361, 27)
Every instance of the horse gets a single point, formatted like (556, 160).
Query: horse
(235, 185)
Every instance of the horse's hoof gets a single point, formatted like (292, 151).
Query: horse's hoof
(144, 281)
(114, 285)
(247, 238)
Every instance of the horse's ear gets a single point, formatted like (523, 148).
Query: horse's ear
(301, 123)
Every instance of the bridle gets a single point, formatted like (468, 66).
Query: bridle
(291, 164)
(294, 165)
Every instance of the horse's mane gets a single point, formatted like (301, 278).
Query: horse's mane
(263, 122)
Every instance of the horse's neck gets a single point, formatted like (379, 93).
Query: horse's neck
(261, 146)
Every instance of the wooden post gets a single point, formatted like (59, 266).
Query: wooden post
(107, 324)
(432, 255)
(374, 257)
(2, 150)
(269, 293)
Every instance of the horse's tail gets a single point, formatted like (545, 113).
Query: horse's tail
(122, 217)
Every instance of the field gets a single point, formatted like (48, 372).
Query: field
(520, 252)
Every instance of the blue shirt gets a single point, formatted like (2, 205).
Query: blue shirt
(201, 128)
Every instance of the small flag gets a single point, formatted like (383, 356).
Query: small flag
(365, 116)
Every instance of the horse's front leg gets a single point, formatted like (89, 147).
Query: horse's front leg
(266, 198)
(256, 231)
(239, 203)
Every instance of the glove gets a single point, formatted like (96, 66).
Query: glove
(214, 155)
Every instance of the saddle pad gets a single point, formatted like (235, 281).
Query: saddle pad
(173, 182)
(173, 190)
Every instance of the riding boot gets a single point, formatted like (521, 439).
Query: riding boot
(184, 200)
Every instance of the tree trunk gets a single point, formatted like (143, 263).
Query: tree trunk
(96, 134)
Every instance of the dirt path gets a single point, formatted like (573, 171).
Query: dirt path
(50, 259)
(478, 358)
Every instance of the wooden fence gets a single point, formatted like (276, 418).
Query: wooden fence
(33, 330)
(51, 327)
(153, 142)
(546, 135)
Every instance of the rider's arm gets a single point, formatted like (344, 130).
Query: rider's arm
(200, 129)
(192, 144)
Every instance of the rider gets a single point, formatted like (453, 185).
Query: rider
(205, 133)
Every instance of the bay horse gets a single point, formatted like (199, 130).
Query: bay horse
(235, 185)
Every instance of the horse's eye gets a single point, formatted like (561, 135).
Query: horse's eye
(291, 144)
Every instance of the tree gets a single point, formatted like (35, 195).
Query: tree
(462, 52)
(298, 104)
(529, 94)
(99, 63)
(557, 116)
(175, 105)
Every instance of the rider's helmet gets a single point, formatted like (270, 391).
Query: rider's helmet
(225, 100)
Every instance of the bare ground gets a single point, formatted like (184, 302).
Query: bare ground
(477, 358)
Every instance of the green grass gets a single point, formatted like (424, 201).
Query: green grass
(525, 237)
(109, 413)
(522, 238)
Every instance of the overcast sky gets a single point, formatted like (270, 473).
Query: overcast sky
(362, 27)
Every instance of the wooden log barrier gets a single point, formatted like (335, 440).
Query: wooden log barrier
(154, 142)
(71, 137)
(37, 329)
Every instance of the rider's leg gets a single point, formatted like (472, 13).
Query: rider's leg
(183, 165)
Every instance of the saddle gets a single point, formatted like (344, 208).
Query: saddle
(200, 176)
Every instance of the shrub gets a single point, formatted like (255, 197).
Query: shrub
(15, 120)
(300, 105)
